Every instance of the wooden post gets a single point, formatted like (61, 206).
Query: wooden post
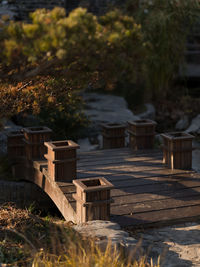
(15, 145)
(92, 199)
(16, 152)
(62, 160)
(141, 134)
(177, 150)
(113, 135)
(34, 141)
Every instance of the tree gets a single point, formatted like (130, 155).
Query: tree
(165, 25)
(79, 50)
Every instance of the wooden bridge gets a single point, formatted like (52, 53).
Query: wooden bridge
(145, 192)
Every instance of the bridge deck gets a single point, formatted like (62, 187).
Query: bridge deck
(146, 193)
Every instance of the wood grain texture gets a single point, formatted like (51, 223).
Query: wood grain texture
(146, 192)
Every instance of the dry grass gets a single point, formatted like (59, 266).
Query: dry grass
(29, 240)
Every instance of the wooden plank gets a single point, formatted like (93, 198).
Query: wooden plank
(122, 165)
(156, 205)
(137, 198)
(100, 154)
(118, 160)
(154, 188)
(140, 172)
(130, 199)
(68, 189)
(70, 197)
(64, 184)
(119, 150)
(158, 217)
(138, 175)
(136, 181)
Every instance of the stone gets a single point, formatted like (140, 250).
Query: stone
(159, 138)
(150, 112)
(85, 145)
(194, 128)
(7, 127)
(97, 228)
(177, 245)
(20, 9)
(107, 233)
(101, 108)
(3, 143)
(5, 10)
(183, 123)
(195, 160)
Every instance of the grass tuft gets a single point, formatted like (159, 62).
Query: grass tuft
(29, 240)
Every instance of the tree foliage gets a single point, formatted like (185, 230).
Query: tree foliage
(80, 47)
(165, 26)
(49, 101)
(76, 51)
(145, 44)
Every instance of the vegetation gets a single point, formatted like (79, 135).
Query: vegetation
(79, 47)
(50, 101)
(165, 27)
(29, 240)
(139, 47)
(43, 63)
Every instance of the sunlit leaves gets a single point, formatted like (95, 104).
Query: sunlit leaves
(83, 44)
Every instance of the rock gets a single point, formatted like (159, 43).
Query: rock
(177, 245)
(159, 138)
(3, 143)
(195, 126)
(108, 233)
(85, 145)
(8, 126)
(183, 123)
(6, 10)
(150, 113)
(98, 228)
(102, 108)
(195, 160)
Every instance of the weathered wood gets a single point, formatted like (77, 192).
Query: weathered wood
(92, 199)
(160, 217)
(120, 165)
(140, 172)
(100, 154)
(141, 134)
(177, 150)
(164, 204)
(117, 160)
(34, 141)
(146, 197)
(113, 135)
(15, 145)
(154, 188)
(51, 188)
(146, 193)
(61, 159)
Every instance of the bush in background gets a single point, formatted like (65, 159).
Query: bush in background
(51, 101)
(165, 26)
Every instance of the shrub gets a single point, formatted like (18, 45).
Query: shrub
(29, 240)
(53, 102)
(165, 25)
